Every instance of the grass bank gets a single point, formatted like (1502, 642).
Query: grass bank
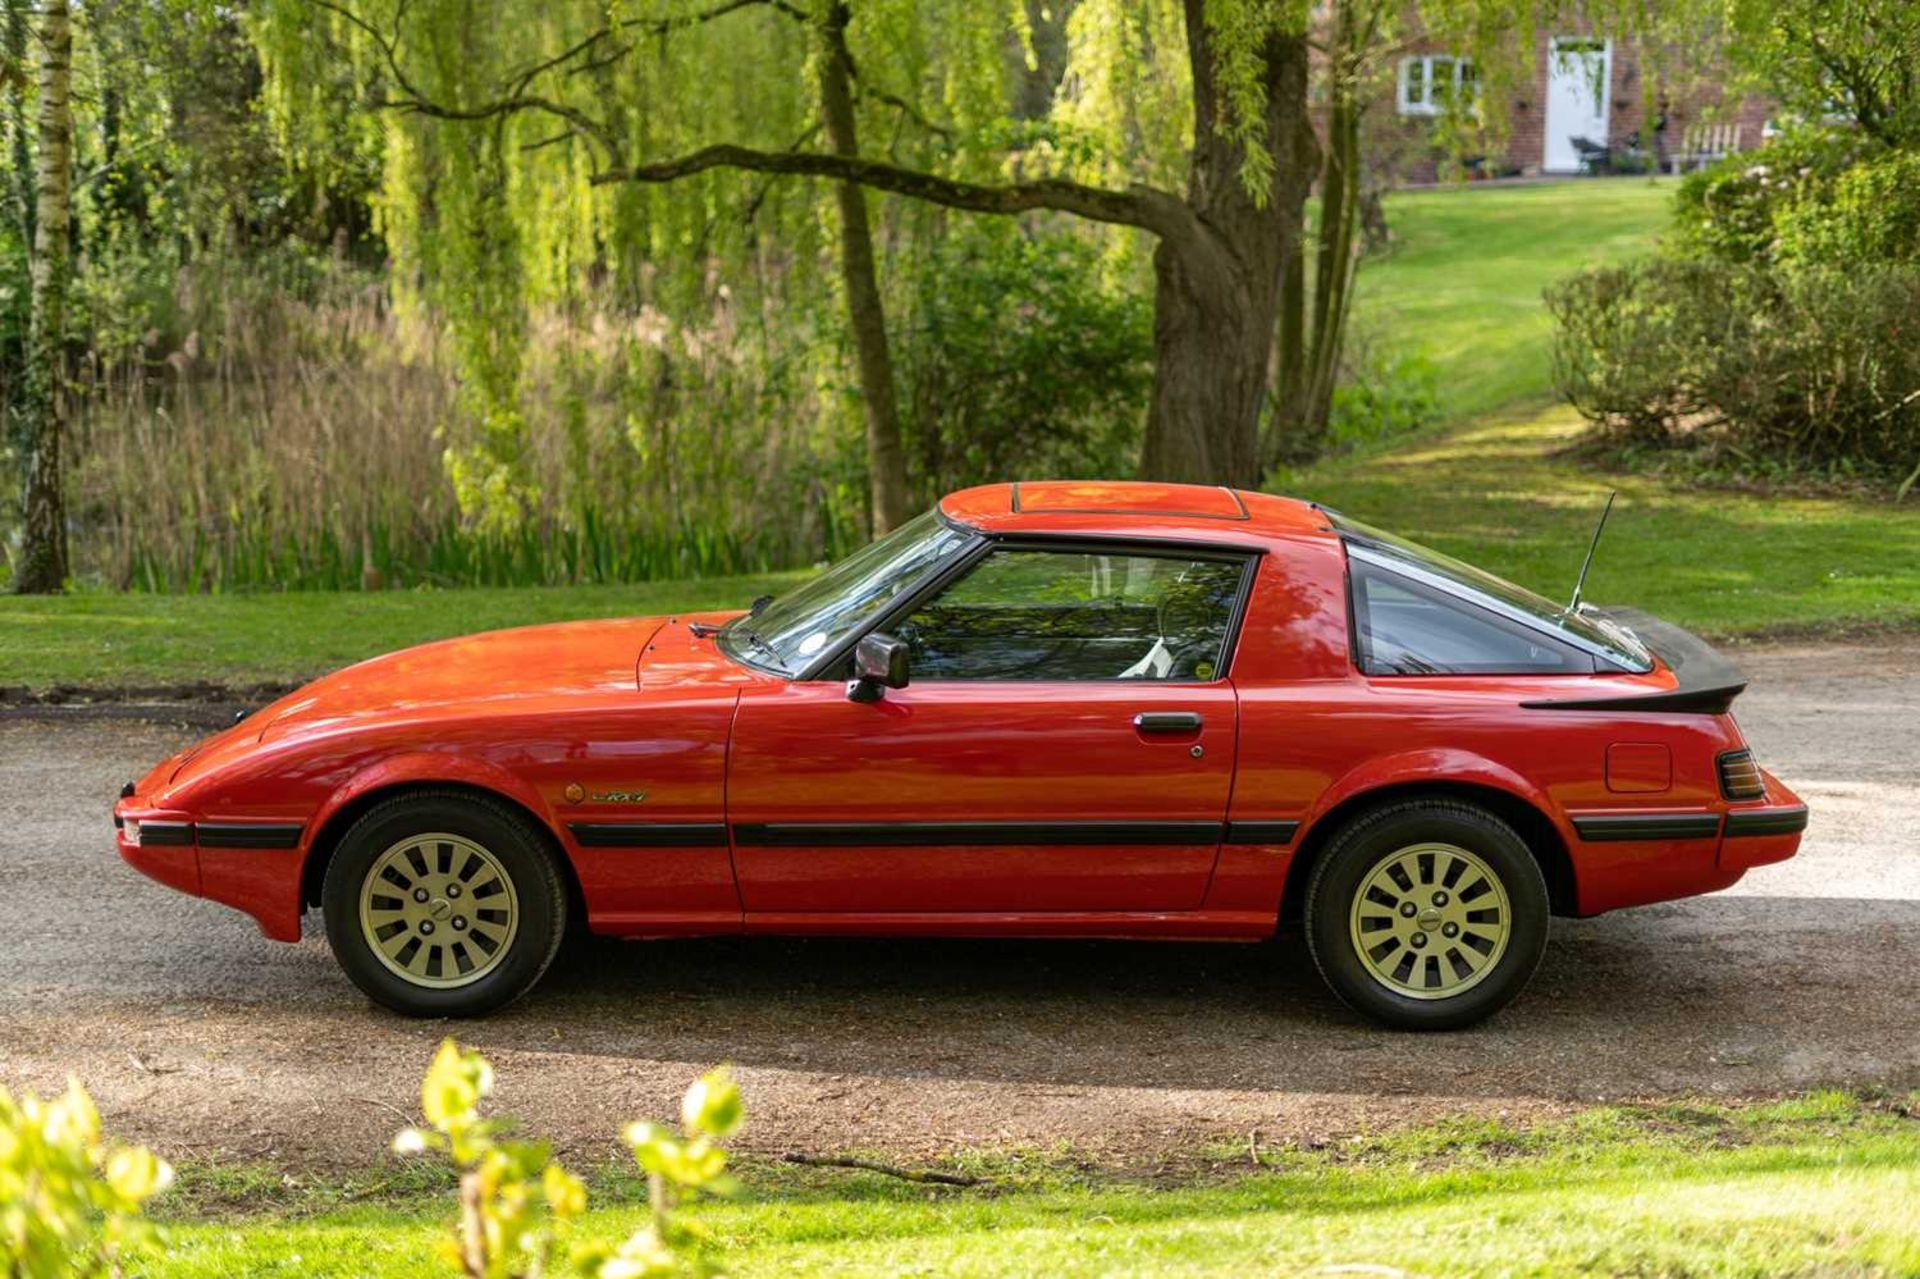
(1461, 282)
(1821, 1184)
(1503, 493)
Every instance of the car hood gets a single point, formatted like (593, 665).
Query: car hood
(528, 670)
(497, 668)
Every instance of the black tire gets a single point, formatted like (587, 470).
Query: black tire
(520, 855)
(1361, 850)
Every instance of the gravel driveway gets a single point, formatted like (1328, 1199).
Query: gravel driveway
(198, 1035)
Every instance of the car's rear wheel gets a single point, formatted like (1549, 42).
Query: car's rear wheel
(443, 904)
(1427, 914)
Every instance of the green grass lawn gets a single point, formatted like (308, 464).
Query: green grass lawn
(1462, 280)
(1818, 1185)
(102, 640)
(1498, 493)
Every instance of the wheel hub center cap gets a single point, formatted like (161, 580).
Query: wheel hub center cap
(441, 908)
(1429, 919)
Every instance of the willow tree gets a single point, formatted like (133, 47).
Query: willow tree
(1183, 122)
(491, 96)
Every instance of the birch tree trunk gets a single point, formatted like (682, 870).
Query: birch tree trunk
(42, 567)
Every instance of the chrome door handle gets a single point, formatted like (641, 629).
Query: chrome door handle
(1167, 722)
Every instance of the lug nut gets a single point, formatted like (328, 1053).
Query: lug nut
(1419, 941)
(1408, 909)
(453, 890)
(426, 928)
(1439, 899)
(459, 923)
(420, 895)
(1450, 930)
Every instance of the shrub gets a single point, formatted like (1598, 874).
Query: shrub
(1382, 394)
(1629, 339)
(70, 1203)
(1815, 367)
(1017, 359)
(1778, 324)
(1729, 210)
(516, 1201)
(1867, 215)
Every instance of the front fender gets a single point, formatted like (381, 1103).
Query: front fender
(420, 768)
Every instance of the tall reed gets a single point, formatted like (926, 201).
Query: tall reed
(287, 431)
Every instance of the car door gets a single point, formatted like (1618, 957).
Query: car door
(1066, 743)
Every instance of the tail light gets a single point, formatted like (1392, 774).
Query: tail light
(1740, 776)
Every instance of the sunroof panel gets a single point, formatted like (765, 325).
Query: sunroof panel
(1065, 497)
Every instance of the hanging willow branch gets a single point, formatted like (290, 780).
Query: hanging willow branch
(1140, 205)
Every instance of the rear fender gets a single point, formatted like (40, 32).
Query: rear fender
(1438, 767)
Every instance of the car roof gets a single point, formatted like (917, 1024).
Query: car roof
(1134, 508)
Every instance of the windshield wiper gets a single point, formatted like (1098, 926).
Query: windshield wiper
(753, 638)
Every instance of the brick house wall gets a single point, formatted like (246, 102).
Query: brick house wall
(1656, 121)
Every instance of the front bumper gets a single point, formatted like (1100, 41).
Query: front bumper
(252, 866)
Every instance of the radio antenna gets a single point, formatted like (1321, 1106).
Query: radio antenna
(1580, 584)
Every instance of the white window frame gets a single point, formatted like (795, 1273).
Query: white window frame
(1428, 106)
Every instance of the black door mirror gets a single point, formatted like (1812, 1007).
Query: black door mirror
(879, 663)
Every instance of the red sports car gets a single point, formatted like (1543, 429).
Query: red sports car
(1041, 709)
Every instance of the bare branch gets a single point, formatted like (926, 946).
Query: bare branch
(922, 1175)
(1146, 207)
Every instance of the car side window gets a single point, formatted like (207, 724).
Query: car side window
(1077, 615)
(1406, 627)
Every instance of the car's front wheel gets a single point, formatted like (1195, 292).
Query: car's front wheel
(1427, 914)
(443, 904)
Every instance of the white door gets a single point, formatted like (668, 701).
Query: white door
(1578, 71)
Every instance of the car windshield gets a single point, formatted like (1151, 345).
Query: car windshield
(791, 633)
(1598, 636)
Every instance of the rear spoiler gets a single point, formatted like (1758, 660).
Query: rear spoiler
(1708, 682)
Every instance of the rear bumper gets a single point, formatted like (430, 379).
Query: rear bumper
(251, 866)
(1764, 832)
(1637, 857)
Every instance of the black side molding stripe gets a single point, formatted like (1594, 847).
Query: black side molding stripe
(1261, 832)
(247, 834)
(220, 834)
(1604, 830)
(969, 834)
(1768, 821)
(648, 834)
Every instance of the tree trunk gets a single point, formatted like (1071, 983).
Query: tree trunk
(1334, 260)
(42, 567)
(1217, 289)
(20, 193)
(1289, 389)
(886, 456)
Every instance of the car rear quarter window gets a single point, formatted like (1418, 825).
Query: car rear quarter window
(1407, 627)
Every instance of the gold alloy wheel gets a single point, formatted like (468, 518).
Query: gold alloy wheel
(1430, 921)
(439, 910)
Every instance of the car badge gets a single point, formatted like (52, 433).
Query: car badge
(618, 797)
